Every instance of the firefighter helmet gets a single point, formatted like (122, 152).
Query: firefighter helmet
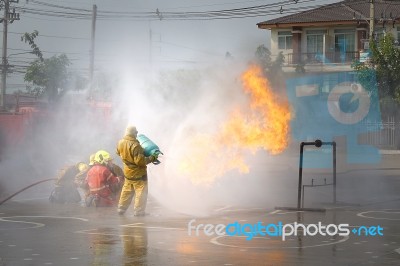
(82, 167)
(131, 130)
(91, 159)
(102, 157)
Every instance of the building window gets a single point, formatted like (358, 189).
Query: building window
(284, 40)
(315, 41)
(344, 41)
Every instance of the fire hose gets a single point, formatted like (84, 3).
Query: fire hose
(25, 188)
(150, 148)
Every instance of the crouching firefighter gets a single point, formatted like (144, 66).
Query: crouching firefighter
(65, 190)
(103, 184)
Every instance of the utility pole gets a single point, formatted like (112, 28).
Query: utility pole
(150, 48)
(4, 57)
(91, 66)
(371, 21)
(7, 17)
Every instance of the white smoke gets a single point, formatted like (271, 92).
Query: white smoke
(169, 108)
(178, 104)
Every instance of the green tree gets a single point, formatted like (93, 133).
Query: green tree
(263, 57)
(30, 39)
(385, 58)
(80, 82)
(276, 66)
(272, 68)
(48, 77)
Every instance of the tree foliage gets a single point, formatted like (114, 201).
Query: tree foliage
(30, 39)
(263, 57)
(386, 58)
(272, 68)
(49, 77)
(385, 61)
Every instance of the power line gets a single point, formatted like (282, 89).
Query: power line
(217, 4)
(58, 6)
(286, 7)
(46, 19)
(52, 36)
(50, 52)
(244, 12)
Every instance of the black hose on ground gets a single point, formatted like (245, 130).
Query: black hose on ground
(25, 188)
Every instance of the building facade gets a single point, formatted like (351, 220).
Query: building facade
(332, 36)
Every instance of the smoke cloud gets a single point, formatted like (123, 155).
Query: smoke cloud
(170, 108)
(173, 108)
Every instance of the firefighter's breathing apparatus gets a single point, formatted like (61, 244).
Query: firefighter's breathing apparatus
(149, 147)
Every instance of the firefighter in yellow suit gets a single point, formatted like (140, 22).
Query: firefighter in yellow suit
(135, 171)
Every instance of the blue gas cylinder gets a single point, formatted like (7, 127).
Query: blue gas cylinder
(149, 147)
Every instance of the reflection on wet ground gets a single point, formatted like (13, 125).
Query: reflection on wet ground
(35, 232)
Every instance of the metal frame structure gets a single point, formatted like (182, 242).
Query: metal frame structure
(300, 194)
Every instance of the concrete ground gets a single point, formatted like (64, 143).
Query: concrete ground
(35, 232)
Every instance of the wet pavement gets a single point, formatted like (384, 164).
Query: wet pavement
(35, 232)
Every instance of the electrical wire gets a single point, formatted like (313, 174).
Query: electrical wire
(50, 52)
(58, 6)
(50, 36)
(282, 7)
(244, 12)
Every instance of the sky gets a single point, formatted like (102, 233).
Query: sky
(144, 43)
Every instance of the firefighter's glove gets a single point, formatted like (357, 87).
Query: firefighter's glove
(153, 157)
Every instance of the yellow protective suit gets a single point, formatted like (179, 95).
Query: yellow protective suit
(136, 190)
(135, 171)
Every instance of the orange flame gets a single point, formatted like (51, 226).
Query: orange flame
(265, 125)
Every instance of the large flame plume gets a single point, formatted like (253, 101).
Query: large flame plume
(265, 125)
